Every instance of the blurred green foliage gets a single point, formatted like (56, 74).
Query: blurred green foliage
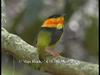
(92, 37)
(73, 5)
(28, 19)
(7, 70)
(30, 35)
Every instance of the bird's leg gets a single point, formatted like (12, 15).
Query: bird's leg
(52, 52)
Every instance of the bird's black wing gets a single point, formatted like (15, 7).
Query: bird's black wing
(56, 35)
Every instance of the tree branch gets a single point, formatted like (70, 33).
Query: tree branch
(61, 66)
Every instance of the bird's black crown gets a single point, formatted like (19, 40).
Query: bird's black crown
(55, 16)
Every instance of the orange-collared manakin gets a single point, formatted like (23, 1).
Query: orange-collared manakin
(49, 34)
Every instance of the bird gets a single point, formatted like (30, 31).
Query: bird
(49, 35)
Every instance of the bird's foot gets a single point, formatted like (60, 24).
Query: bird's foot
(52, 52)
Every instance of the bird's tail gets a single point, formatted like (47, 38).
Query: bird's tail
(42, 54)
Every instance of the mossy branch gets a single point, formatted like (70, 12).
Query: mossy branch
(59, 66)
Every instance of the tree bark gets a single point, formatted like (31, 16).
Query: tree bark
(58, 66)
